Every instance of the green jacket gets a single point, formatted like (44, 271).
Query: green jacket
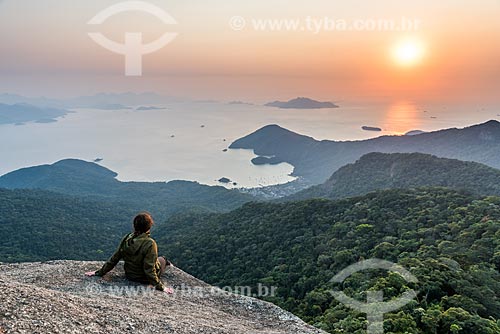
(140, 254)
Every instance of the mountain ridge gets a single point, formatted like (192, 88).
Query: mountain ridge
(379, 171)
(87, 179)
(315, 161)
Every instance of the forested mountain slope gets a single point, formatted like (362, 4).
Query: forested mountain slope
(449, 240)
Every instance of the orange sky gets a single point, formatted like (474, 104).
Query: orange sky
(45, 50)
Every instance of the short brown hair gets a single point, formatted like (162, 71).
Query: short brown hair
(143, 222)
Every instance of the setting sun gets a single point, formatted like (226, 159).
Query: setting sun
(408, 52)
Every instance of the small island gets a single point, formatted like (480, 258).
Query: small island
(266, 161)
(146, 108)
(371, 128)
(302, 103)
(224, 180)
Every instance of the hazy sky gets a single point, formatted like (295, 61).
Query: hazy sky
(45, 50)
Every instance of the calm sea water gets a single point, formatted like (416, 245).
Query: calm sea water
(186, 140)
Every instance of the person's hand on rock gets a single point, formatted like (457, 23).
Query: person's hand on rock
(169, 291)
(90, 273)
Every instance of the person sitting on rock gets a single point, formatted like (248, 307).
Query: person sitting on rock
(140, 253)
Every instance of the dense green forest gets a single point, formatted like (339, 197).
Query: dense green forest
(449, 240)
(376, 171)
(38, 225)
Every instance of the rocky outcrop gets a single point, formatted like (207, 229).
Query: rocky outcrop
(56, 297)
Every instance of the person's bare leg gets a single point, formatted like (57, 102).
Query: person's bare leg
(163, 264)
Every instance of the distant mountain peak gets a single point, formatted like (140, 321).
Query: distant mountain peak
(71, 162)
(268, 136)
(83, 167)
(74, 172)
(274, 128)
(491, 122)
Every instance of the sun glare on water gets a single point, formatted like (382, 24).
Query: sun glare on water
(409, 52)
